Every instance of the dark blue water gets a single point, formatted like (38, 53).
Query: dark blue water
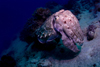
(13, 16)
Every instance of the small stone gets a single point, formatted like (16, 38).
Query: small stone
(91, 32)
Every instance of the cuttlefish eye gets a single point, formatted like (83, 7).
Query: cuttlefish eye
(56, 17)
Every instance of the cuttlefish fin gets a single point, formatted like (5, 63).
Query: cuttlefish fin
(52, 37)
(49, 38)
(42, 40)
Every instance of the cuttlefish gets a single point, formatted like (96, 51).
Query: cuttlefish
(62, 23)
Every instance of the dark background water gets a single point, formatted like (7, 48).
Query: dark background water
(13, 16)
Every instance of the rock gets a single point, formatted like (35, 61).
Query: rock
(91, 32)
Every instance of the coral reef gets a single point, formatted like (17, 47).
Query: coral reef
(57, 40)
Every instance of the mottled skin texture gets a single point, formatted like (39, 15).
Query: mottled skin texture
(65, 23)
